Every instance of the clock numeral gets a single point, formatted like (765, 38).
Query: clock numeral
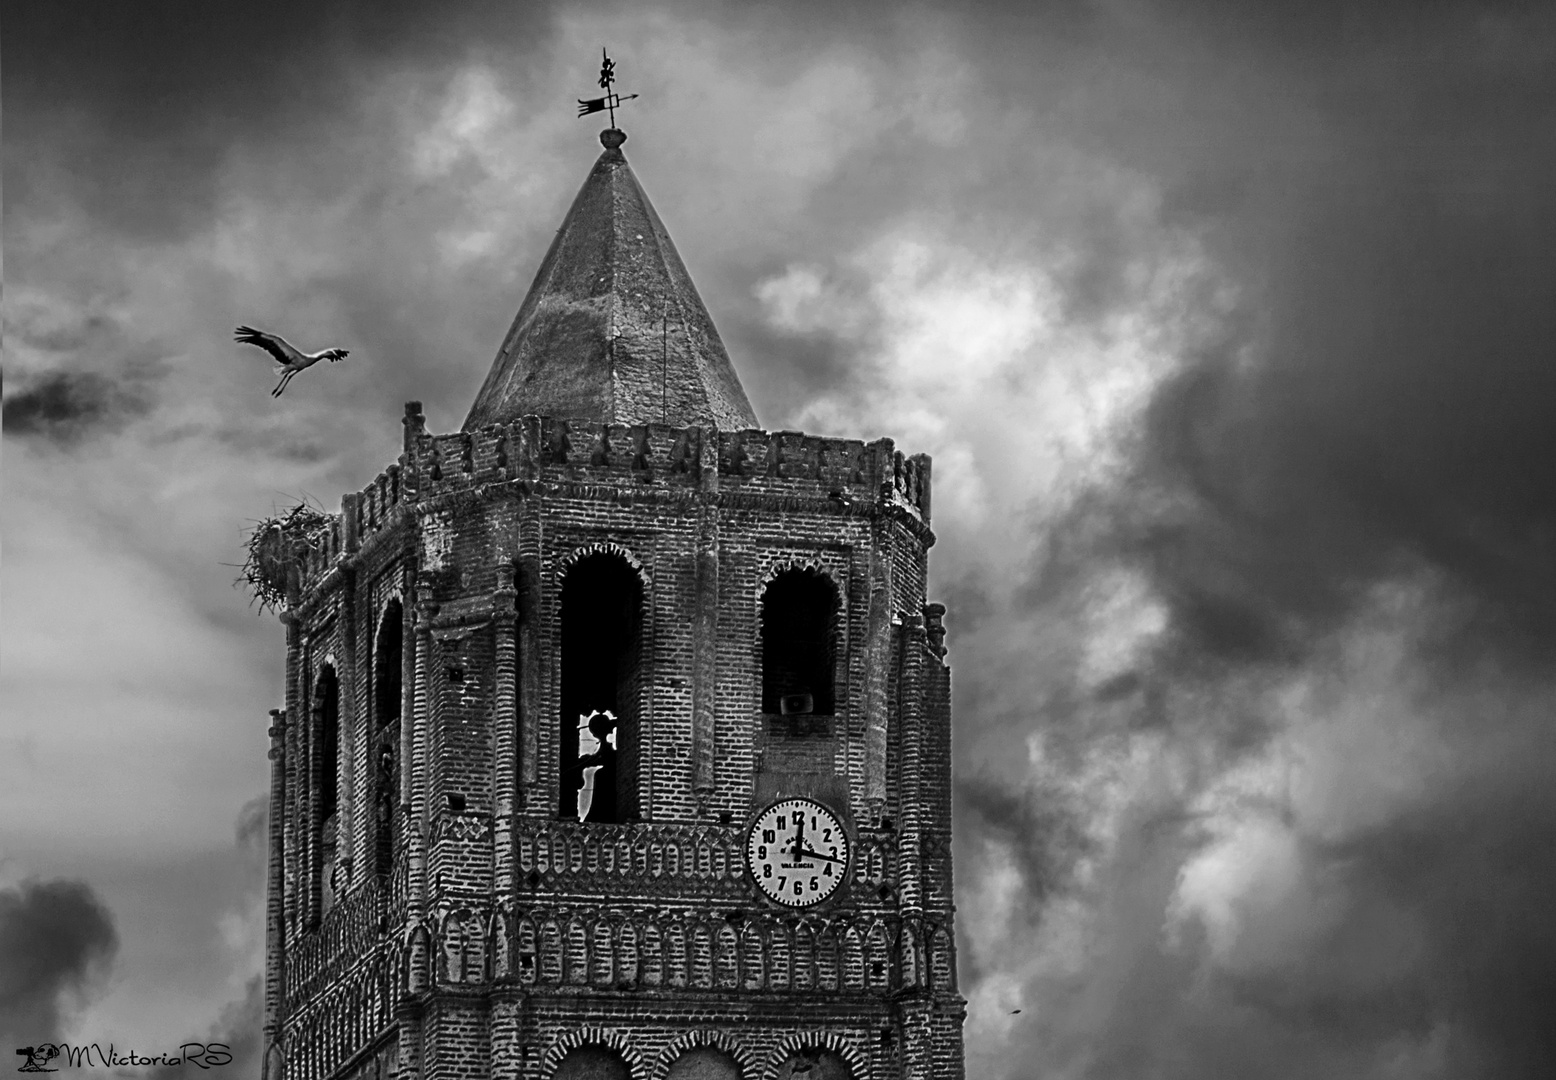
(826, 838)
(797, 889)
(767, 870)
(768, 836)
(761, 852)
(781, 880)
(828, 870)
(815, 883)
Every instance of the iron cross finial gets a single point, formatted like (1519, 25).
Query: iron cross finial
(611, 98)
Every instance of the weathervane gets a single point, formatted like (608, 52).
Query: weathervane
(611, 98)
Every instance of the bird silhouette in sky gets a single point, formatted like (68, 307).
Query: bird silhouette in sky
(291, 359)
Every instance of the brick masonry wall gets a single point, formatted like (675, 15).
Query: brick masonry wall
(648, 934)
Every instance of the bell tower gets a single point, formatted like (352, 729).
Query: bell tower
(617, 729)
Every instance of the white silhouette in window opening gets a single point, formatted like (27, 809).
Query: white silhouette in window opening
(597, 757)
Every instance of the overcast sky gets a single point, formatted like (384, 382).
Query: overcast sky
(1229, 326)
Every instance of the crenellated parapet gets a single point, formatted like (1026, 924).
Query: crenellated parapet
(659, 456)
(639, 460)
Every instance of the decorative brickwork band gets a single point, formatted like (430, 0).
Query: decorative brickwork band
(705, 628)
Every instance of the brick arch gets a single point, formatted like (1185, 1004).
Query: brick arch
(499, 942)
(626, 697)
(802, 957)
(526, 946)
(877, 957)
(603, 547)
(575, 950)
(627, 941)
(417, 964)
(779, 956)
(852, 974)
(696, 1039)
(942, 958)
(275, 1060)
(602, 950)
(834, 570)
(829, 686)
(392, 595)
(611, 1040)
(828, 1040)
(396, 975)
(910, 954)
(753, 958)
(828, 948)
(449, 955)
(651, 950)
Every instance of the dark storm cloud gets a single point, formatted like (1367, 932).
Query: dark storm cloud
(238, 1032)
(1381, 408)
(252, 827)
(1391, 400)
(1038, 830)
(1375, 182)
(56, 940)
(65, 407)
(117, 105)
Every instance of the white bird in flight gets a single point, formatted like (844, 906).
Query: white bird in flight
(291, 359)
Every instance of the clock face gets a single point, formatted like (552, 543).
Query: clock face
(797, 852)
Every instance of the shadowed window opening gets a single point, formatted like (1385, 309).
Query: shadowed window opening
(602, 686)
(799, 644)
(388, 685)
(326, 712)
(387, 670)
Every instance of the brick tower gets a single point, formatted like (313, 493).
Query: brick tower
(617, 730)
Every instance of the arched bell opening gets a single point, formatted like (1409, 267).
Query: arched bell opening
(384, 759)
(799, 645)
(603, 682)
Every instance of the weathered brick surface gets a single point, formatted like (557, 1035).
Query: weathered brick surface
(502, 937)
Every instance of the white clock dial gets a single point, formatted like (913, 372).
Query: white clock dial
(797, 852)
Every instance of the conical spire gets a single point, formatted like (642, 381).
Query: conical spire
(613, 329)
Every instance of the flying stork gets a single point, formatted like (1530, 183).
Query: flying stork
(288, 356)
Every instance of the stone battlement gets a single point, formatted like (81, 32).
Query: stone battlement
(639, 457)
(535, 447)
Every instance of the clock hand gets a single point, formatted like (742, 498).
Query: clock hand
(809, 854)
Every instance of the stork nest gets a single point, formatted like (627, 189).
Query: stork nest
(277, 549)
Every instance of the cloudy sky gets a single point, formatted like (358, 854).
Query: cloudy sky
(1231, 328)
